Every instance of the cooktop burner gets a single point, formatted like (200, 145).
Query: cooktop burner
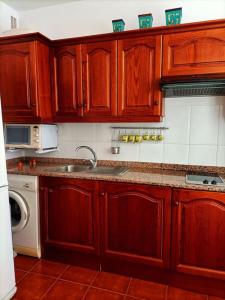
(203, 178)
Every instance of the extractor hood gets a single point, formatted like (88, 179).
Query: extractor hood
(193, 87)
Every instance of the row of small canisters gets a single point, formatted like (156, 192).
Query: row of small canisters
(173, 17)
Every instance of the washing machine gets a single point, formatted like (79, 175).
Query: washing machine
(25, 220)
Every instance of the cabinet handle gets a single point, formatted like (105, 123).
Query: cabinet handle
(85, 105)
(102, 194)
(176, 203)
(156, 103)
(33, 104)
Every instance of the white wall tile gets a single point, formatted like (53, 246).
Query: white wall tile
(150, 152)
(175, 154)
(202, 155)
(221, 156)
(221, 138)
(204, 125)
(177, 118)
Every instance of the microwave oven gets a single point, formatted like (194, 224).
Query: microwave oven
(39, 137)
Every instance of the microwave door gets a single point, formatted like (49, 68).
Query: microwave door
(17, 136)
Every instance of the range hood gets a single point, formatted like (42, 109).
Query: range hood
(193, 87)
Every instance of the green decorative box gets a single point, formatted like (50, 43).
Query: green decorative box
(145, 20)
(118, 25)
(173, 16)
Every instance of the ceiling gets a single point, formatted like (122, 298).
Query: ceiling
(32, 4)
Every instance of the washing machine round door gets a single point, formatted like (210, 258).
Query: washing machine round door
(19, 211)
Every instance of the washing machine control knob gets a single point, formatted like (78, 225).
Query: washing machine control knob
(26, 185)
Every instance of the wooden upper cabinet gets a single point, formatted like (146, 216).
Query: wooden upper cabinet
(67, 82)
(198, 233)
(136, 223)
(99, 79)
(194, 52)
(25, 85)
(139, 71)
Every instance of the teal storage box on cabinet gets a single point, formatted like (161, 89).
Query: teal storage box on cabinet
(173, 16)
(145, 20)
(118, 25)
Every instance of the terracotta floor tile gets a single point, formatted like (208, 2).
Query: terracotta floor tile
(112, 282)
(96, 294)
(49, 268)
(65, 290)
(33, 286)
(179, 294)
(25, 262)
(215, 298)
(19, 274)
(80, 275)
(147, 290)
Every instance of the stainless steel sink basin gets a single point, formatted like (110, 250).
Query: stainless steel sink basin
(108, 170)
(87, 169)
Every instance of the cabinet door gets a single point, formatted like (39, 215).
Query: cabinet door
(99, 79)
(198, 233)
(18, 80)
(136, 223)
(139, 70)
(69, 209)
(67, 82)
(195, 52)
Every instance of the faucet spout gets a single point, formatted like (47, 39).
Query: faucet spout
(93, 161)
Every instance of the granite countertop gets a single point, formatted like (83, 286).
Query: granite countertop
(157, 176)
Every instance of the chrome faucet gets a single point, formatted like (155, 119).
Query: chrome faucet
(92, 161)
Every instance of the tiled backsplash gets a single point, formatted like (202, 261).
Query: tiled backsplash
(196, 136)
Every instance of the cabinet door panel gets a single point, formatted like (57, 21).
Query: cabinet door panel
(18, 79)
(196, 52)
(198, 233)
(68, 78)
(136, 223)
(70, 214)
(139, 69)
(99, 75)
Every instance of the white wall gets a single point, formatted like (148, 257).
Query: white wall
(94, 17)
(5, 16)
(196, 136)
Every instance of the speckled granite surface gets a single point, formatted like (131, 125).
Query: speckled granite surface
(145, 173)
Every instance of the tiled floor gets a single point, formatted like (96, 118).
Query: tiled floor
(42, 279)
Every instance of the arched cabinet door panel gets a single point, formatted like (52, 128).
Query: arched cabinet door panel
(194, 52)
(18, 82)
(136, 223)
(69, 214)
(198, 233)
(67, 81)
(139, 72)
(99, 79)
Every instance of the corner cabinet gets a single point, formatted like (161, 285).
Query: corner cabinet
(69, 219)
(25, 84)
(198, 245)
(195, 52)
(139, 72)
(136, 223)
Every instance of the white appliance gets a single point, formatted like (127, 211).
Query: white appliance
(24, 204)
(7, 274)
(41, 137)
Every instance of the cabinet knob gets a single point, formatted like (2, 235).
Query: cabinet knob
(85, 105)
(79, 105)
(156, 102)
(102, 194)
(33, 104)
(176, 203)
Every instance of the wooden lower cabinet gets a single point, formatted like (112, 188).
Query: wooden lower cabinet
(135, 223)
(198, 246)
(69, 219)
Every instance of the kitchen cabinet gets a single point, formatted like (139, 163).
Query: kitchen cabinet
(136, 223)
(196, 52)
(25, 84)
(67, 78)
(198, 245)
(99, 62)
(139, 72)
(69, 217)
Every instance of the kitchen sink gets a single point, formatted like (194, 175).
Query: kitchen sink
(84, 168)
